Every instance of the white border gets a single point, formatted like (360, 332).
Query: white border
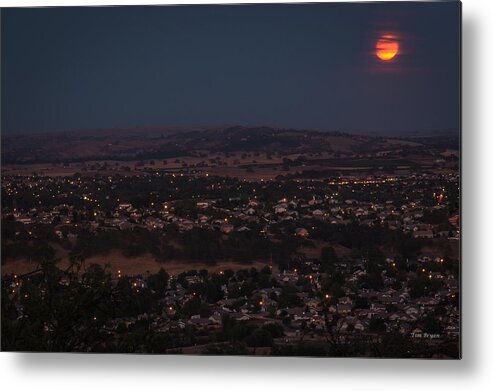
(54, 3)
(474, 372)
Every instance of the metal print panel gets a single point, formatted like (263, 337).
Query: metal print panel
(244, 180)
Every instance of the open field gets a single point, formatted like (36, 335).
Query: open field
(145, 264)
(248, 166)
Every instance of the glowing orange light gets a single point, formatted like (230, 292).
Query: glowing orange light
(387, 47)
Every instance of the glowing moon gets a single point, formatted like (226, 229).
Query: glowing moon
(387, 47)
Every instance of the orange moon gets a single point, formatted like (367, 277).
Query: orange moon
(387, 47)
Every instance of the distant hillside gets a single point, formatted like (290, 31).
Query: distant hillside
(169, 142)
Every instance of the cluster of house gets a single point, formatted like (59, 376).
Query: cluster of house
(315, 312)
(330, 207)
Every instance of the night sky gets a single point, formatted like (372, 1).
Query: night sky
(310, 66)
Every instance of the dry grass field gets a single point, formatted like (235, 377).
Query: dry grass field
(145, 264)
